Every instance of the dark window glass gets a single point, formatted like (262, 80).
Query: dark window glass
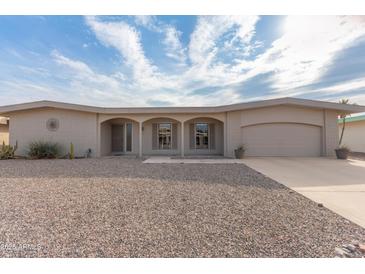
(164, 136)
(129, 137)
(201, 136)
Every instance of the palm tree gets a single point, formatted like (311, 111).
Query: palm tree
(343, 117)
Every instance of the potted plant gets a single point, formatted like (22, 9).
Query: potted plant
(342, 152)
(239, 152)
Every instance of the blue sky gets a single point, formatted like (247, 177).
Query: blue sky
(180, 60)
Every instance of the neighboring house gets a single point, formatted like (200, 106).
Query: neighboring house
(354, 135)
(278, 127)
(4, 131)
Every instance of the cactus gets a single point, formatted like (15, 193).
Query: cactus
(72, 151)
(8, 151)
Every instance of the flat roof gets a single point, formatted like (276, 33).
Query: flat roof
(353, 119)
(203, 109)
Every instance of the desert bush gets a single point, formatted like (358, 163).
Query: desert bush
(44, 150)
(8, 151)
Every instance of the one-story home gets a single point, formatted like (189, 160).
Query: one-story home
(354, 134)
(277, 127)
(4, 130)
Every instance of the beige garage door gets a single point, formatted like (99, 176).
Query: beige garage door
(282, 139)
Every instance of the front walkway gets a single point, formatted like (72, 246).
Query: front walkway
(192, 160)
(338, 184)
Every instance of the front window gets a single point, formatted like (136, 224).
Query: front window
(129, 137)
(201, 136)
(164, 136)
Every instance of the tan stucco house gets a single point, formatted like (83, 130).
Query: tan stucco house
(354, 135)
(278, 127)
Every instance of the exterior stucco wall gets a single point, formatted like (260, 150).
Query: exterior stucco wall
(233, 132)
(105, 139)
(331, 132)
(76, 127)
(282, 114)
(354, 135)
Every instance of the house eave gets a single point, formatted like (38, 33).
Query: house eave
(6, 110)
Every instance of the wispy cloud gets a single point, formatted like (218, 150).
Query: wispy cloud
(147, 21)
(174, 48)
(126, 40)
(83, 72)
(203, 43)
(216, 61)
(308, 47)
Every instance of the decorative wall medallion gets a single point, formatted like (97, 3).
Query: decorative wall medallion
(53, 124)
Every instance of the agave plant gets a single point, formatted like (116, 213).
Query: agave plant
(72, 152)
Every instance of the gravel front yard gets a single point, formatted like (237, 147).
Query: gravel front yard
(117, 207)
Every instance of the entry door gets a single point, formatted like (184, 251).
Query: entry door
(117, 138)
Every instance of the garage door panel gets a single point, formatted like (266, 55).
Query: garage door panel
(282, 139)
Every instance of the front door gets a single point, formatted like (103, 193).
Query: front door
(117, 138)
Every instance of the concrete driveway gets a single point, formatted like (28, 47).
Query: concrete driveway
(338, 184)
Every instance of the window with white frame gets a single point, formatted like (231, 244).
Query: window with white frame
(201, 136)
(164, 135)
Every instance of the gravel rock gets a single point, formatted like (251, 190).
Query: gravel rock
(116, 207)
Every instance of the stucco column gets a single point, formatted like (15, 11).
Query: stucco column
(140, 138)
(225, 140)
(182, 140)
(98, 137)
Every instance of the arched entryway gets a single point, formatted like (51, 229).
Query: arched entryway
(161, 136)
(119, 136)
(203, 136)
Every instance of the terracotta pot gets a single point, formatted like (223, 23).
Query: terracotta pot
(342, 154)
(239, 153)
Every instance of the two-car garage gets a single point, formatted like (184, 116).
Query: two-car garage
(282, 139)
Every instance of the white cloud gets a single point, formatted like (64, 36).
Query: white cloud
(16, 90)
(173, 46)
(82, 71)
(308, 47)
(147, 21)
(93, 86)
(203, 42)
(126, 40)
(348, 86)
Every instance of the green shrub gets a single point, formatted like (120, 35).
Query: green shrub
(44, 150)
(8, 151)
